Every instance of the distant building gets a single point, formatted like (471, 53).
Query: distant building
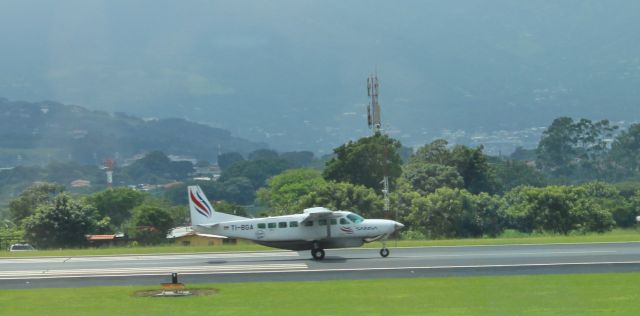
(171, 184)
(106, 240)
(208, 173)
(79, 183)
(176, 158)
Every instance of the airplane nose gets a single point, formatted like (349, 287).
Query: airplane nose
(398, 225)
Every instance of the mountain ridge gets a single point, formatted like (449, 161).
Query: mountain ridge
(35, 133)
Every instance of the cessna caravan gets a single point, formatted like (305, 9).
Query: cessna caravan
(316, 229)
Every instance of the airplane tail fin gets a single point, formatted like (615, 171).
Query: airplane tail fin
(201, 210)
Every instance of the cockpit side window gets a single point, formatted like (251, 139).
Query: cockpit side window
(344, 221)
(357, 219)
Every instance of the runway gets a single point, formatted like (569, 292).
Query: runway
(339, 264)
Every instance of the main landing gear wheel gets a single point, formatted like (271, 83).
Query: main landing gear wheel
(384, 252)
(317, 254)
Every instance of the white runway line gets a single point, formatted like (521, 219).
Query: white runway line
(515, 265)
(507, 254)
(62, 273)
(152, 257)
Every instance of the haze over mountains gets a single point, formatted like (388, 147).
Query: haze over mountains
(292, 73)
(39, 133)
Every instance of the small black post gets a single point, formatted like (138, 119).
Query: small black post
(174, 278)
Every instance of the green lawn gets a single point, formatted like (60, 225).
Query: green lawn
(616, 235)
(596, 294)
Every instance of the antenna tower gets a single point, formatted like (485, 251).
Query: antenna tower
(375, 124)
(373, 108)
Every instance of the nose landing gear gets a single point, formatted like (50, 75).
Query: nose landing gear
(384, 252)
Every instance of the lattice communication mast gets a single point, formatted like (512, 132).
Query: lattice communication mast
(373, 109)
(375, 124)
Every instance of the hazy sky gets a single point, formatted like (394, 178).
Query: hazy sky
(293, 73)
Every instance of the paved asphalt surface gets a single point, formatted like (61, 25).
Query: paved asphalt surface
(339, 264)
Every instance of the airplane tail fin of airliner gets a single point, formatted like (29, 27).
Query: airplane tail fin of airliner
(201, 210)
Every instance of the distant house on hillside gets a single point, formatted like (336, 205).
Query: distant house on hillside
(79, 183)
(208, 173)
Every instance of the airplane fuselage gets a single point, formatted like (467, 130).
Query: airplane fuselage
(344, 229)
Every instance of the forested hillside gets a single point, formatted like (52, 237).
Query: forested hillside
(37, 133)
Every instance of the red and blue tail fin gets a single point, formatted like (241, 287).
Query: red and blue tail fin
(201, 210)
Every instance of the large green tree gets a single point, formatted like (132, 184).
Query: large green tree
(471, 163)
(284, 191)
(237, 190)
(513, 173)
(625, 150)
(425, 178)
(152, 222)
(366, 161)
(575, 149)
(473, 166)
(62, 223)
(347, 197)
(37, 194)
(117, 203)
(437, 152)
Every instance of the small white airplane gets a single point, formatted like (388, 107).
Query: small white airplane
(315, 229)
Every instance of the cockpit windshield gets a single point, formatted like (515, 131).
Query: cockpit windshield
(355, 218)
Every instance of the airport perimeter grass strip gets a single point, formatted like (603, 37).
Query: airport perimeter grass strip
(590, 294)
(617, 235)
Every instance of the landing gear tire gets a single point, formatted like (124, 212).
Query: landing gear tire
(384, 252)
(317, 254)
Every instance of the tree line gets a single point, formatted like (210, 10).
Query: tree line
(581, 178)
(456, 192)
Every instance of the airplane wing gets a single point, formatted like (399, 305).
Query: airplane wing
(316, 213)
(212, 236)
(187, 230)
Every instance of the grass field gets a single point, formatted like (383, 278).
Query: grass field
(616, 235)
(593, 294)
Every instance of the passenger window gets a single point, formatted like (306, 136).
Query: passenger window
(343, 221)
(334, 221)
(322, 222)
(262, 225)
(272, 225)
(293, 224)
(282, 225)
(308, 223)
